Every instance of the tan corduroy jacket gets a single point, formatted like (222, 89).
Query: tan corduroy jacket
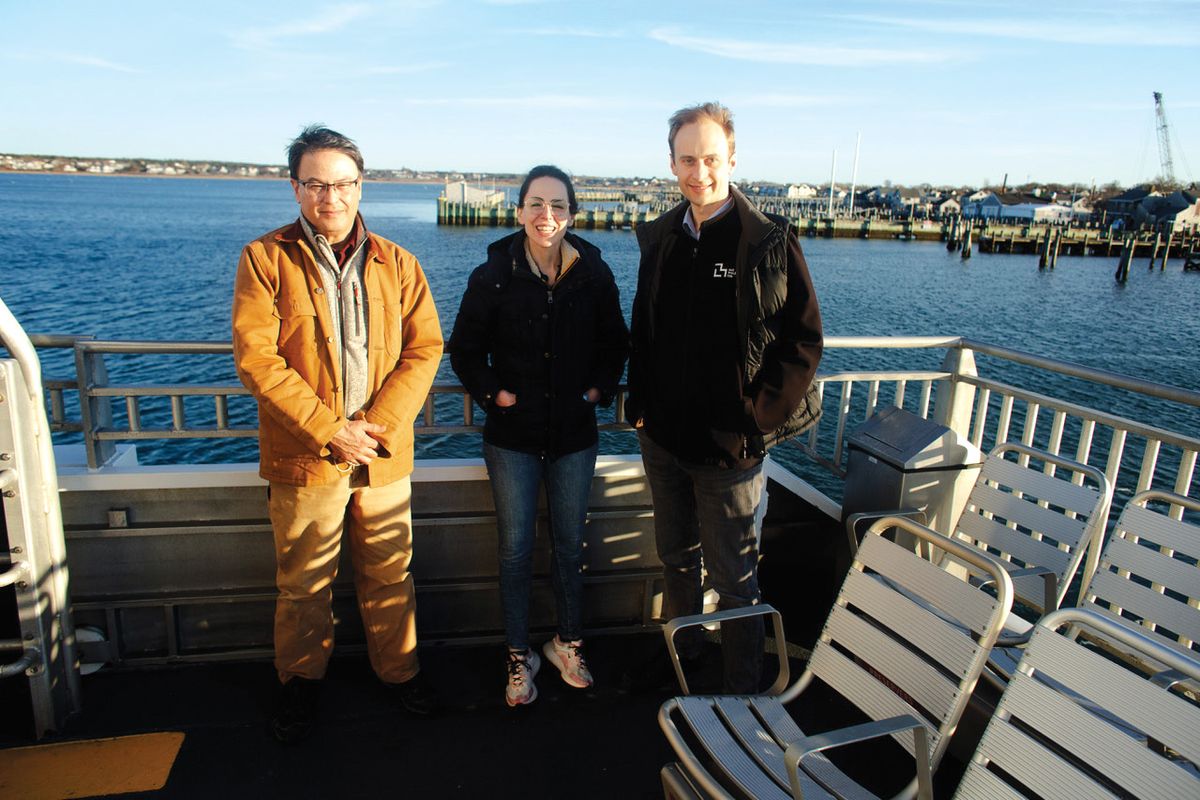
(283, 348)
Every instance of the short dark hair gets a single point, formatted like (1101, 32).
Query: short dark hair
(318, 137)
(548, 171)
(710, 111)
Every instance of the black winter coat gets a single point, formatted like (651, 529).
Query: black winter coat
(546, 345)
(778, 328)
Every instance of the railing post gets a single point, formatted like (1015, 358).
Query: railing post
(36, 560)
(95, 412)
(955, 399)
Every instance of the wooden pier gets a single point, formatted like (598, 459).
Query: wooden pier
(1085, 241)
(506, 216)
(1045, 241)
(870, 228)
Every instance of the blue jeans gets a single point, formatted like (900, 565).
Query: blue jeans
(516, 478)
(705, 516)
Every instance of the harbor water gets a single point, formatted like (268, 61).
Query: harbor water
(154, 258)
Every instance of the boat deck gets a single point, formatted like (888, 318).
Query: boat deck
(602, 742)
(598, 743)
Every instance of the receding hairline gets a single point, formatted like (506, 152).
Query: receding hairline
(715, 113)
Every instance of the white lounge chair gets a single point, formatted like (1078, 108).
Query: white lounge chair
(1073, 723)
(1148, 576)
(1039, 514)
(905, 643)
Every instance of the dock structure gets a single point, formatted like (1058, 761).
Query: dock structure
(1045, 241)
(505, 216)
(870, 228)
(1084, 242)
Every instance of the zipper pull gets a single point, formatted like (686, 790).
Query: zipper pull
(357, 312)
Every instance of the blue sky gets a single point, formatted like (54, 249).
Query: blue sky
(941, 91)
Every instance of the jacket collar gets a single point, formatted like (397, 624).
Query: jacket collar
(294, 233)
(508, 248)
(755, 225)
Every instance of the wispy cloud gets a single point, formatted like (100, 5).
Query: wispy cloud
(792, 101)
(330, 20)
(772, 53)
(83, 60)
(565, 31)
(542, 101)
(513, 2)
(1076, 30)
(1140, 107)
(406, 69)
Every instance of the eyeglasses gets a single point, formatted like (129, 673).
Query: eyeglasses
(342, 188)
(557, 208)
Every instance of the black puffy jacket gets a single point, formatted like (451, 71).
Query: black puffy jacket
(547, 346)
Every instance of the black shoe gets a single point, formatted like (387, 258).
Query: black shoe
(657, 674)
(295, 710)
(416, 696)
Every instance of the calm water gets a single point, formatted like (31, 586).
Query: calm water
(139, 258)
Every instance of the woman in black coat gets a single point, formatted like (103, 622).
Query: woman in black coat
(540, 341)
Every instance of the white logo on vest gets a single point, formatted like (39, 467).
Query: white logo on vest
(722, 271)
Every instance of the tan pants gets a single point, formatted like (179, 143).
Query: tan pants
(308, 522)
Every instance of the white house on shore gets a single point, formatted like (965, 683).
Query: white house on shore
(1015, 207)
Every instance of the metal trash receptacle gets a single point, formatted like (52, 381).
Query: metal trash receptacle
(898, 460)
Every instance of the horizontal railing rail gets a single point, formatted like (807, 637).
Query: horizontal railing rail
(987, 409)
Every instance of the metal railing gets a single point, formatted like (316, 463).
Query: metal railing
(985, 408)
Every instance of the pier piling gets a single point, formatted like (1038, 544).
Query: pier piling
(1127, 253)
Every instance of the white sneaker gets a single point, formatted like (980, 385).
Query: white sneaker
(522, 669)
(569, 660)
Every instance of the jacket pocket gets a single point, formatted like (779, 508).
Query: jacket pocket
(297, 326)
(393, 334)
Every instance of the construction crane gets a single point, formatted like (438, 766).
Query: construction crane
(1164, 139)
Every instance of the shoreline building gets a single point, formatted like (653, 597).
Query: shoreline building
(462, 192)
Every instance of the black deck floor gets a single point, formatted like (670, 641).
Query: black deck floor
(598, 743)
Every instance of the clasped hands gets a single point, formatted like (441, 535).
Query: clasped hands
(355, 443)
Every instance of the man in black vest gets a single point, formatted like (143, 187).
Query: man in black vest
(726, 339)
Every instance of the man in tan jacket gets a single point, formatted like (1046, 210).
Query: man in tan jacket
(335, 334)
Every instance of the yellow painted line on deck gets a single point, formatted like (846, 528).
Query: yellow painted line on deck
(89, 768)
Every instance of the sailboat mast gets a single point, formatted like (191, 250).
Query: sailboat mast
(854, 174)
(832, 170)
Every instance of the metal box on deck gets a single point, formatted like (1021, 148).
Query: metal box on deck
(898, 460)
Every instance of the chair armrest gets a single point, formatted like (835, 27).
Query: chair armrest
(1049, 599)
(796, 751)
(1170, 678)
(762, 609)
(853, 520)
